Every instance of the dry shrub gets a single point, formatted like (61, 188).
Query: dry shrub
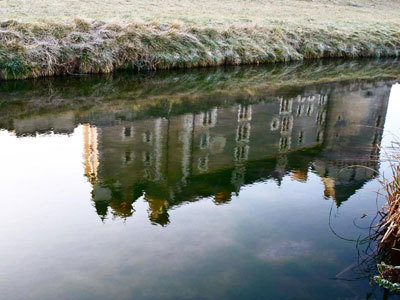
(390, 224)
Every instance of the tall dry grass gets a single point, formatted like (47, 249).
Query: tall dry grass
(29, 50)
(389, 226)
(388, 229)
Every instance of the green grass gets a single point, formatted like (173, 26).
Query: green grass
(153, 36)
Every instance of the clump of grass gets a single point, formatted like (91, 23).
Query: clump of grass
(28, 50)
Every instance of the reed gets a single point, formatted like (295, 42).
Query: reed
(388, 233)
(390, 224)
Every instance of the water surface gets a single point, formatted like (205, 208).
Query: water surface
(229, 183)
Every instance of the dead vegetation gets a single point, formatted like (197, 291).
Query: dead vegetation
(388, 232)
(390, 224)
(28, 50)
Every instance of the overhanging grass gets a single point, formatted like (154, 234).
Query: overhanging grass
(197, 89)
(28, 50)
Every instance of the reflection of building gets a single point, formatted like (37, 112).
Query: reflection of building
(212, 153)
(170, 152)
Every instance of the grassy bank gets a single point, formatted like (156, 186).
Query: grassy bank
(237, 33)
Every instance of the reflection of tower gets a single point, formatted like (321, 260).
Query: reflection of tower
(351, 139)
(329, 185)
(90, 152)
(158, 210)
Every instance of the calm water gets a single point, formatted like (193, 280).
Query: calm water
(230, 183)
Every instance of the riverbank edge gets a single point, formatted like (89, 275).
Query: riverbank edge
(89, 47)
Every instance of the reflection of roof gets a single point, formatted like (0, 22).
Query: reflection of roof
(329, 184)
(158, 210)
(341, 182)
(299, 175)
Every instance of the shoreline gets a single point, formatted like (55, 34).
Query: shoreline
(93, 47)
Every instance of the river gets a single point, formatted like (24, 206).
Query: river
(229, 183)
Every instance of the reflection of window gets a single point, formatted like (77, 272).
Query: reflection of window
(244, 113)
(284, 143)
(128, 156)
(241, 153)
(301, 137)
(209, 118)
(274, 124)
(299, 110)
(127, 132)
(319, 136)
(310, 109)
(286, 106)
(206, 118)
(146, 157)
(300, 99)
(147, 136)
(322, 99)
(286, 124)
(243, 132)
(378, 121)
(204, 140)
(203, 164)
(320, 118)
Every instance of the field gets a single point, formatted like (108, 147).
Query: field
(211, 12)
(61, 37)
